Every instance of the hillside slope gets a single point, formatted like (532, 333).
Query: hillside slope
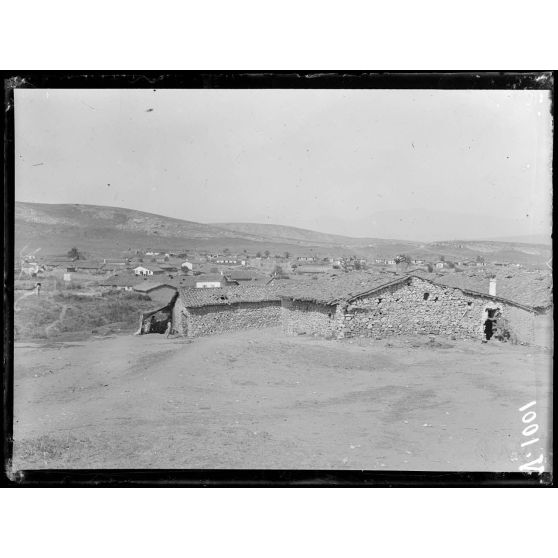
(288, 234)
(100, 230)
(106, 231)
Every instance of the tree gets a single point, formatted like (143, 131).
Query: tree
(442, 258)
(258, 254)
(277, 271)
(402, 258)
(266, 252)
(75, 254)
(429, 268)
(287, 255)
(226, 251)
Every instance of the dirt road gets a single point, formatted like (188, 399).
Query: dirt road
(256, 399)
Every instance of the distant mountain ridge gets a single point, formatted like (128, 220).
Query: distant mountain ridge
(102, 230)
(296, 234)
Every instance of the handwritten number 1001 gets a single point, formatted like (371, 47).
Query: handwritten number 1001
(530, 430)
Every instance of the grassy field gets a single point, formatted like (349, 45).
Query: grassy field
(74, 313)
(257, 399)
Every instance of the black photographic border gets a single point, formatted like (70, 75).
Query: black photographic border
(296, 79)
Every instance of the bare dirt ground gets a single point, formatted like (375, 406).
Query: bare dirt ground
(257, 399)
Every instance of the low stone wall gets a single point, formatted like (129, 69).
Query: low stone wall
(299, 317)
(211, 320)
(179, 318)
(521, 322)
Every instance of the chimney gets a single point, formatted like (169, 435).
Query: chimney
(492, 287)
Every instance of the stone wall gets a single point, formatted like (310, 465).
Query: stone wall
(211, 320)
(420, 307)
(179, 318)
(544, 329)
(521, 322)
(299, 317)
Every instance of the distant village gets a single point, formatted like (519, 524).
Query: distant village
(150, 270)
(196, 293)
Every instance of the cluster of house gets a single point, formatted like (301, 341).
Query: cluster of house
(439, 264)
(349, 305)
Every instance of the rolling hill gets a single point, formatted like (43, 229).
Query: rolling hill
(100, 230)
(110, 231)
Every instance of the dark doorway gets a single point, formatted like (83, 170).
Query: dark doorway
(490, 323)
(488, 329)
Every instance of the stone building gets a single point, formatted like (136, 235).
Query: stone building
(157, 321)
(198, 312)
(382, 306)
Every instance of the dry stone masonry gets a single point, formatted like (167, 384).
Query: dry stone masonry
(380, 307)
(407, 307)
(211, 320)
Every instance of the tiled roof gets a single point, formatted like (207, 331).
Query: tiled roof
(243, 274)
(192, 280)
(336, 287)
(221, 296)
(147, 286)
(340, 287)
(530, 289)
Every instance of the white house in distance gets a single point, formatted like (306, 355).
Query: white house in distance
(227, 260)
(148, 270)
(205, 281)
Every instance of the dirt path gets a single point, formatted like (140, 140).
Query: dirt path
(257, 399)
(24, 295)
(58, 321)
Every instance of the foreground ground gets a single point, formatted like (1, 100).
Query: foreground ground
(256, 399)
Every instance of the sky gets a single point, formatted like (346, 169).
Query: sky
(408, 164)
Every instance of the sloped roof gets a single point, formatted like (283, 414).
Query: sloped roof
(147, 286)
(192, 280)
(222, 296)
(530, 289)
(243, 274)
(335, 287)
